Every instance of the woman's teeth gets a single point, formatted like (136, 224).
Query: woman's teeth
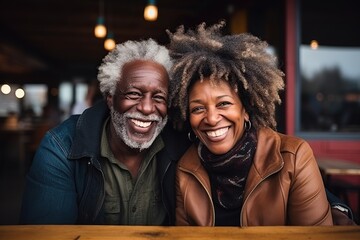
(218, 132)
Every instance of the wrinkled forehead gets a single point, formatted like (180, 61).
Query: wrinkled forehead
(144, 73)
(146, 66)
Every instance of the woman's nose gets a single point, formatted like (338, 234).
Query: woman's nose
(212, 116)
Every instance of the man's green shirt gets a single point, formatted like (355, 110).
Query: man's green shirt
(131, 201)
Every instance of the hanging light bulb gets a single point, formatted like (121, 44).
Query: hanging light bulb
(109, 43)
(151, 11)
(100, 29)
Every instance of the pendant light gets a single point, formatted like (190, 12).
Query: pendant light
(109, 43)
(100, 29)
(151, 11)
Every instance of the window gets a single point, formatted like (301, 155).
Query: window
(329, 69)
(330, 89)
(9, 103)
(35, 98)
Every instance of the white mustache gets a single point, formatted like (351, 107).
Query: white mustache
(144, 118)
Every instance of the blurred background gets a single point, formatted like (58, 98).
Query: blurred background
(49, 56)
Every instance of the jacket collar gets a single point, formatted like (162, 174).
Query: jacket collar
(89, 127)
(88, 132)
(267, 160)
(191, 163)
(267, 157)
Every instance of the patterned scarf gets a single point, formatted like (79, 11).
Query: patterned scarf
(228, 172)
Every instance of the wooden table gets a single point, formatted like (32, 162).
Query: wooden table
(338, 167)
(80, 232)
(334, 167)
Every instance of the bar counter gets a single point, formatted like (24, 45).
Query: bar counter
(81, 232)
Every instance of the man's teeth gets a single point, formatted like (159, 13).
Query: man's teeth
(140, 123)
(217, 133)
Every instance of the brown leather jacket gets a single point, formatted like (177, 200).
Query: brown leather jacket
(284, 186)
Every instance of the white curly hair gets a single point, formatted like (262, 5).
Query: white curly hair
(111, 68)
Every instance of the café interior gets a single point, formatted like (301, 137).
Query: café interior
(49, 55)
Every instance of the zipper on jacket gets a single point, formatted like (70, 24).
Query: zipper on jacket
(209, 195)
(102, 194)
(275, 171)
(162, 192)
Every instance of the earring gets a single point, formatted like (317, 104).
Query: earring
(247, 125)
(191, 137)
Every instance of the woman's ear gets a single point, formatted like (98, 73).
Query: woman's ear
(246, 117)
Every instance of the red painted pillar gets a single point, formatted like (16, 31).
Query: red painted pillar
(291, 63)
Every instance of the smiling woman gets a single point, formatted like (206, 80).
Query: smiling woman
(239, 171)
(209, 102)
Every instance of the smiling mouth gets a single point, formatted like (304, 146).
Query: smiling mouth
(218, 132)
(141, 124)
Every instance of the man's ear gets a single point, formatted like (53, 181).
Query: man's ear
(109, 100)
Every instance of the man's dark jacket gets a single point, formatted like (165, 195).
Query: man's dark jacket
(65, 184)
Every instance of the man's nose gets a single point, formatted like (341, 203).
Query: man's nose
(146, 105)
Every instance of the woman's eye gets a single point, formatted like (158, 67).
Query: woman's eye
(224, 104)
(197, 109)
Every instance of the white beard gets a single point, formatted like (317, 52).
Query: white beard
(119, 122)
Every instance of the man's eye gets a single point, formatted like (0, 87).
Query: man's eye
(133, 95)
(160, 98)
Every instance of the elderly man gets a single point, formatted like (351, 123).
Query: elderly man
(110, 165)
